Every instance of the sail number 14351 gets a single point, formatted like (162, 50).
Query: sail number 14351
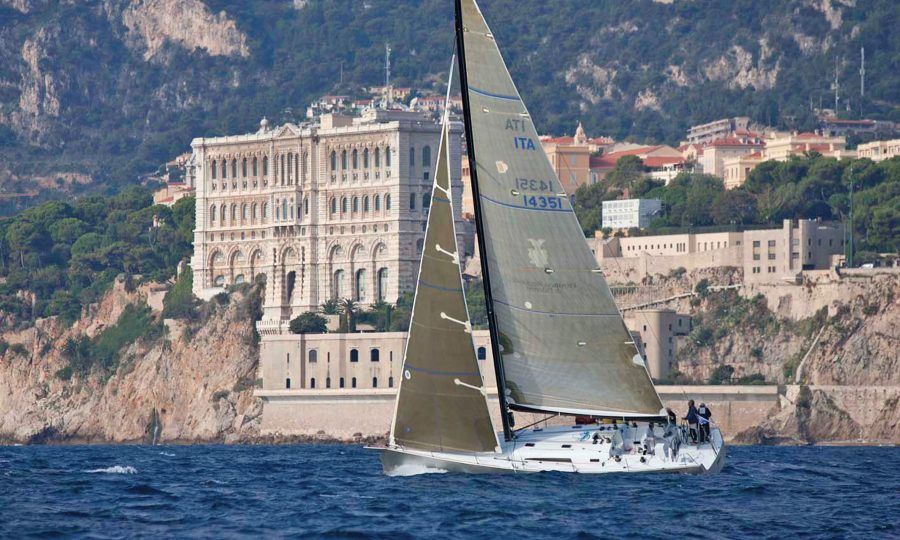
(540, 201)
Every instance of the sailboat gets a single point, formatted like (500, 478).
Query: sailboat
(559, 343)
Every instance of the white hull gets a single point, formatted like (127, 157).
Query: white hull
(569, 449)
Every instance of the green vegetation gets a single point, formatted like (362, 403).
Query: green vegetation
(103, 352)
(121, 116)
(179, 302)
(308, 323)
(809, 187)
(67, 254)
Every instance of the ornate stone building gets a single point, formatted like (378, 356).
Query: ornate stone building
(332, 209)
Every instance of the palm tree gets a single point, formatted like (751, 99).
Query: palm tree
(348, 308)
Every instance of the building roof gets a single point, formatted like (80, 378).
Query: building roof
(733, 141)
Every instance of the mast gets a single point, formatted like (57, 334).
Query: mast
(479, 227)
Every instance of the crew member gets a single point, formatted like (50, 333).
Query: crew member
(703, 415)
(692, 418)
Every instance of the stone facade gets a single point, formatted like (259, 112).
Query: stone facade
(332, 209)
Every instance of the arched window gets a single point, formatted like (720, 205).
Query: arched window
(333, 205)
(355, 204)
(374, 382)
(353, 382)
(223, 215)
(426, 156)
(355, 159)
(426, 201)
(244, 212)
(265, 210)
(234, 168)
(281, 169)
(255, 170)
(412, 156)
(366, 158)
(212, 214)
(360, 295)
(344, 160)
(420, 244)
(287, 383)
(312, 382)
(412, 202)
(244, 167)
(306, 206)
(354, 356)
(366, 203)
(284, 208)
(387, 156)
(382, 284)
(234, 213)
(327, 382)
(224, 169)
(253, 212)
(344, 205)
(387, 201)
(333, 160)
(482, 353)
(290, 169)
(214, 170)
(338, 285)
(377, 203)
(391, 381)
(265, 165)
(377, 157)
(374, 355)
(313, 356)
(341, 382)
(277, 211)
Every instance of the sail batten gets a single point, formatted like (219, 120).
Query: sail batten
(563, 344)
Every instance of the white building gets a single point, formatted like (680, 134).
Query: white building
(629, 213)
(327, 210)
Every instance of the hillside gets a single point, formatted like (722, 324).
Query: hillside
(94, 94)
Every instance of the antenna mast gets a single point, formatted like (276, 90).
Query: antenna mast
(836, 86)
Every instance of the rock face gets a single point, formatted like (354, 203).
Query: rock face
(193, 385)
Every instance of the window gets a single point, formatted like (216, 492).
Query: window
(214, 170)
(312, 382)
(306, 206)
(377, 203)
(333, 160)
(254, 167)
(353, 382)
(427, 175)
(341, 382)
(354, 356)
(224, 169)
(412, 156)
(366, 158)
(378, 157)
(360, 295)
(327, 382)
(233, 213)
(338, 285)
(374, 382)
(344, 205)
(265, 210)
(382, 284)
(234, 168)
(391, 381)
(344, 160)
(287, 383)
(265, 166)
(426, 201)
(355, 204)
(420, 244)
(412, 202)
(244, 167)
(333, 205)
(313, 356)
(426, 156)
(387, 201)
(482, 353)
(374, 355)
(387, 156)
(355, 159)
(253, 212)
(366, 203)
(212, 214)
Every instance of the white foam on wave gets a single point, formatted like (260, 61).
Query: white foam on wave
(166, 454)
(411, 469)
(115, 469)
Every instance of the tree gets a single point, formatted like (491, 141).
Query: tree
(308, 323)
(734, 206)
(626, 173)
(348, 310)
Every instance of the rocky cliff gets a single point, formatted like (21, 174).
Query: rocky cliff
(192, 382)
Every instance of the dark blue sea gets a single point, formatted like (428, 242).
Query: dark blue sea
(336, 491)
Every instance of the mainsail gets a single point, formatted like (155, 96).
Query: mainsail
(563, 343)
(440, 406)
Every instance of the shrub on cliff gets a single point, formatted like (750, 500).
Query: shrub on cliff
(308, 323)
(179, 302)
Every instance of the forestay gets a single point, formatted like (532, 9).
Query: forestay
(564, 345)
(440, 406)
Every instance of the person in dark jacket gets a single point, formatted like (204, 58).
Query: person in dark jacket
(704, 415)
(692, 419)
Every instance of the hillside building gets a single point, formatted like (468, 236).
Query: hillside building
(328, 210)
(879, 150)
(717, 129)
(629, 213)
(571, 157)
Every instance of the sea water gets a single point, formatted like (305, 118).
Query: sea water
(339, 491)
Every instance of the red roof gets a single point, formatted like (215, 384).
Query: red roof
(570, 140)
(609, 160)
(655, 162)
(733, 141)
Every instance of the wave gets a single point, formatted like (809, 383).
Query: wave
(166, 454)
(115, 469)
(413, 470)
